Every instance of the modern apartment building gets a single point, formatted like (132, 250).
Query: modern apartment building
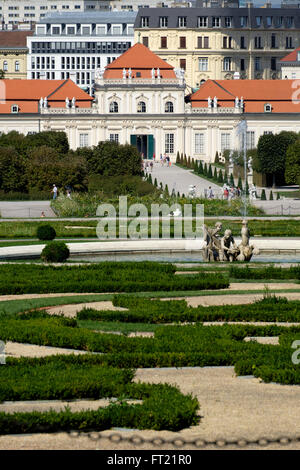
(75, 45)
(25, 11)
(214, 43)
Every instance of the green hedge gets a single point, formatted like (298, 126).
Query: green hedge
(101, 277)
(269, 272)
(271, 309)
(163, 407)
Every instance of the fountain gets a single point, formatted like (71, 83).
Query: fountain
(224, 248)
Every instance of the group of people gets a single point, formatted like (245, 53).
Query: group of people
(230, 192)
(147, 167)
(55, 191)
(165, 160)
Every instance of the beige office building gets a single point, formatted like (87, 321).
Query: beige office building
(214, 43)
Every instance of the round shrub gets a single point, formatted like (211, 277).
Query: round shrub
(45, 232)
(55, 252)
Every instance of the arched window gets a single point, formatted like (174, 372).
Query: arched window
(141, 107)
(268, 108)
(169, 107)
(14, 108)
(5, 66)
(17, 66)
(113, 107)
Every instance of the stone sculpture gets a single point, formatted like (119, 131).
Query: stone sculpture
(224, 248)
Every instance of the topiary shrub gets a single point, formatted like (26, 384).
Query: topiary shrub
(45, 232)
(263, 195)
(271, 196)
(55, 252)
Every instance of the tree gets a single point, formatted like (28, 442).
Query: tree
(209, 174)
(111, 159)
(271, 152)
(200, 169)
(53, 139)
(220, 177)
(292, 167)
(263, 195)
(215, 174)
(271, 196)
(12, 170)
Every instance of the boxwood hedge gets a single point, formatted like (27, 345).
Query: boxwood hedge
(102, 277)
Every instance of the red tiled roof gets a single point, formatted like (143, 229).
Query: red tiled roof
(291, 57)
(281, 94)
(14, 38)
(140, 59)
(27, 94)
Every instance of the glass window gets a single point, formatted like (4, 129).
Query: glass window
(114, 137)
(199, 143)
(182, 21)
(163, 42)
(169, 143)
(182, 42)
(227, 21)
(141, 107)
(145, 22)
(113, 107)
(17, 66)
(83, 140)
(227, 64)
(215, 21)
(203, 64)
(163, 21)
(5, 66)
(225, 141)
(169, 107)
(202, 21)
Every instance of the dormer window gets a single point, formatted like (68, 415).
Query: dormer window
(15, 108)
(268, 108)
(182, 21)
(163, 22)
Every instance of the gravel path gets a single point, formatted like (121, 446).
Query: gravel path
(231, 407)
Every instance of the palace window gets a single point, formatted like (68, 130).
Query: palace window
(225, 141)
(83, 140)
(113, 107)
(169, 143)
(199, 143)
(114, 137)
(141, 107)
(169, 107)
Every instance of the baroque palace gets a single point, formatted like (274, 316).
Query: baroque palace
(142, 100)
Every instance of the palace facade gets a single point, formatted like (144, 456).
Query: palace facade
(142, 100)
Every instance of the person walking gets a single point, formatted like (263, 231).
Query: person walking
(210, 193)
(54, 191)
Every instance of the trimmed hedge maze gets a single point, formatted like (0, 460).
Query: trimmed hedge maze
(109, 372)
(163, 406)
